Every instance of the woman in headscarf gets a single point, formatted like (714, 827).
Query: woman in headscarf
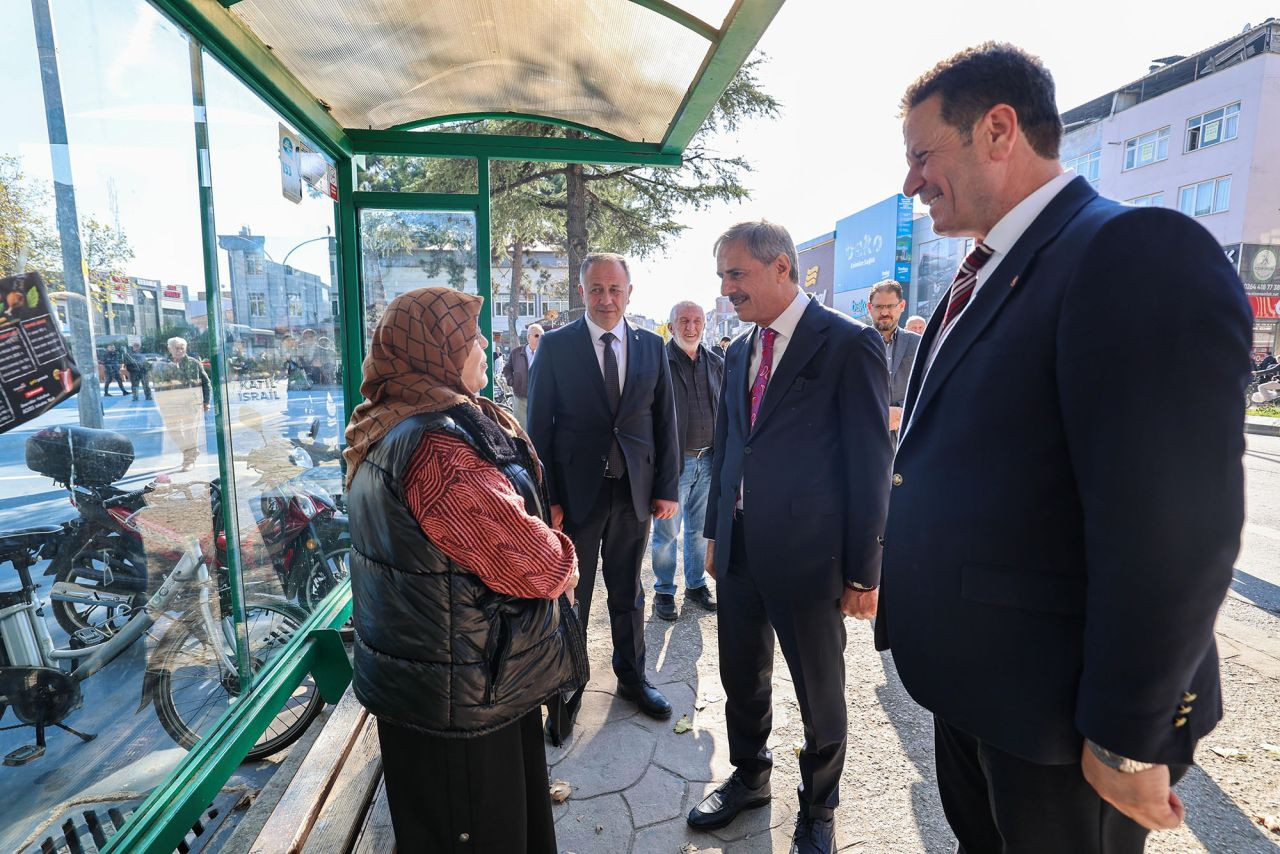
(455, 576)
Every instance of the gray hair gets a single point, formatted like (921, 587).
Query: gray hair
(176, 340)
(533, 326)
(916, 317)
(765, 241)
(675, 309)
(601, 257)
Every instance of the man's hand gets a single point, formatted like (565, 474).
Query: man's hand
(573, 586)
(1144, 797)
(895, 417)
(557, 517)
(859, 604)
(710, 563)
(663, 509)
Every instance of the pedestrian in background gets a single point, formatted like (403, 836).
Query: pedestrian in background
(885, 305)
(722, 348)
(111, 369)
(516, 372)
(139, 370)
(1055, 612)
(915, 323)
(183, 395)
(696, 375)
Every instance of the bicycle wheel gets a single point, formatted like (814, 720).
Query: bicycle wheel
(324, 574)
(91, 568)
(191, 694)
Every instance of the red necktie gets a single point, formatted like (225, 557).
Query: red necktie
(964, 282)
(762, 375)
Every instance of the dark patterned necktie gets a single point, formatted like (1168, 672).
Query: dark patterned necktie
(762, 374)
(963, 284)
(616, 464)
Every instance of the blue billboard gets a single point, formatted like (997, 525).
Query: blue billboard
(872, 245)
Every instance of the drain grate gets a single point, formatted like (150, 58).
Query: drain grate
(86, 828)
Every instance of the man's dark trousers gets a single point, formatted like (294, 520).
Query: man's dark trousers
(1032, 808)
(612, 532)
(811, 633)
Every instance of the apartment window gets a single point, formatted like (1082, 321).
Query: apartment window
(1146, 149)
(1086, 165)
(258, 305)
(1213, 127)
(294, 305)
(1154, 200)
(253, 265)
(1207, 197)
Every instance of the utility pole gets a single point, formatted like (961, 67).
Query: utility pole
(78, 308)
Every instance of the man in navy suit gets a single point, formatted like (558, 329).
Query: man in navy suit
(799, 490)
(602, 418)
(1058, 542)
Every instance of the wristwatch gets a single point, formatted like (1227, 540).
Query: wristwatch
(1114, 760)
(853, 585)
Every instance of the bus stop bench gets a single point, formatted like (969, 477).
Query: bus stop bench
(336, 802)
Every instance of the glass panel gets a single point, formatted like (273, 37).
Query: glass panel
(711, 11)
(609, 64)
(404, 250)
(1186, 200)
(1222, 197)
(281, 361)
(418, 174)
(1204, 198)
(1230, 131)
(99, 481)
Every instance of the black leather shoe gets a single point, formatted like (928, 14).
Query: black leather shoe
(702, 596)
(647, 697)
(723, 805)
(664, 605)
(813, 835)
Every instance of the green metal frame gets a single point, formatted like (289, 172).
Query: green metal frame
(168, 813)
(681, 17)
(506, 117)
(744, 25)
(542, 148)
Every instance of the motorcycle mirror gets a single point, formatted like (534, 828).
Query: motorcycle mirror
(301, 458)
(315, 428)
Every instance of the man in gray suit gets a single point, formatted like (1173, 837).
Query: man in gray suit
(885, 305)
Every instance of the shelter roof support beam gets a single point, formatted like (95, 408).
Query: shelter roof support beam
(545, 149)
(744, 26)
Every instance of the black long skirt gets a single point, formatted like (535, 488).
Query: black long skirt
(483, 795)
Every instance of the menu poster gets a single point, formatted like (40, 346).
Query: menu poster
(36, 368)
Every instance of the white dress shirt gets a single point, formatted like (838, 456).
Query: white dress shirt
(529, 353)
(1002, 237)
(619, 348)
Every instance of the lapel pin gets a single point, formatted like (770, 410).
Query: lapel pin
(1014, 282)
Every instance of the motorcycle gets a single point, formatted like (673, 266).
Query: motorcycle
(304, 535)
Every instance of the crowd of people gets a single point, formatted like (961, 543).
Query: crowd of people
(1045, 579)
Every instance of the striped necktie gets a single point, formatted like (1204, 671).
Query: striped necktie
(963, 284)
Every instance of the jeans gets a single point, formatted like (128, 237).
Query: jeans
(695, 482)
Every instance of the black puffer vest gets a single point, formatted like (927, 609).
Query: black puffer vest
(435, 649)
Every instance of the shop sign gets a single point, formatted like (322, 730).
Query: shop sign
(1264, 308)
(172, 292)
(1256, 264)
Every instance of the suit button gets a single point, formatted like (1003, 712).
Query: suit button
(1188, 697)
(880, 540)
(897, 479)
(1184, 710)
(604, 458)
(1179, 722)
(746, 450)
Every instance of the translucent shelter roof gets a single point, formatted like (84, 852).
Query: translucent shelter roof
(644, 71)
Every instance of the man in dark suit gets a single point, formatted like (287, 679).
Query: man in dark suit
(885, 305)
(799, 489)
(1057, 546)
(516, 372)
(603, 421)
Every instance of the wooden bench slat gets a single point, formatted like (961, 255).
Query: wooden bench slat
(377, 836)
(291, 822)
(336, 827)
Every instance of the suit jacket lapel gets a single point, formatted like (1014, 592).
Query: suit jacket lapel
(586, 355)
(737, 362)
(809, 335)
(634, 356)
(984, 307)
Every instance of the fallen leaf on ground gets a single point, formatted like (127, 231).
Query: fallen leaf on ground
(1273, 749)
(1270, 822)
(560, 791)
(688, 848)
(1230, 753)
(797, 747)
(683, 725)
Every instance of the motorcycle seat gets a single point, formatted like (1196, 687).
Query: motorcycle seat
(25, 538)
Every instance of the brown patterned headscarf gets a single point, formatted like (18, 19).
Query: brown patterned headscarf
(415, 365)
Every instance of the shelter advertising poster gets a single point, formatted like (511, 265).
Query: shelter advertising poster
(36, 368)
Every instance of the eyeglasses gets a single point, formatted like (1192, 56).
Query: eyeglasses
(874, 307)
(536, 335)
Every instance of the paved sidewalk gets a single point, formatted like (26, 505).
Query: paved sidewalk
(634, 779)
